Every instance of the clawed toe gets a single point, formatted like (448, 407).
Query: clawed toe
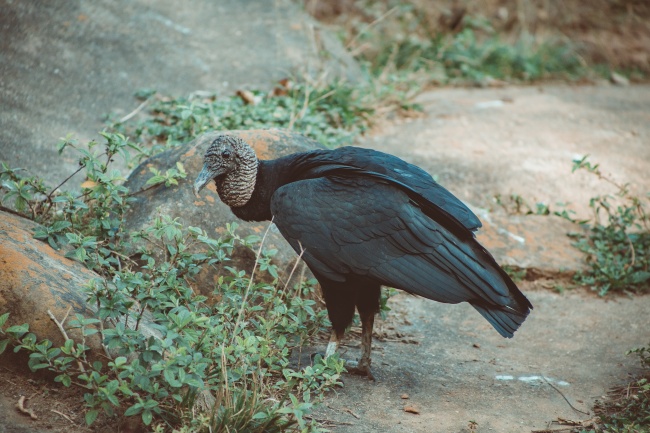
(359, 368)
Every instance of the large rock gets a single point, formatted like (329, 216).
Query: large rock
(35, 279)
(208, 212)
(536, 243)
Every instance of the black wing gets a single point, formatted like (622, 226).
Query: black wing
(369, 226)
(320, 163)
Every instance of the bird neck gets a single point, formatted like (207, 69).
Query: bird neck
(236, 188)
(271, 175)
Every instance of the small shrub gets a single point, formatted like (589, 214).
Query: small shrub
(617, 240)
(407, 36)
(333, 114)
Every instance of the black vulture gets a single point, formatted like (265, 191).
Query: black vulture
(362, 219)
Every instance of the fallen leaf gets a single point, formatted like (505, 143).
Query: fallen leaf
(285, 82)
(412, 409)
(246, 96)
(284, 88)
(89, 184)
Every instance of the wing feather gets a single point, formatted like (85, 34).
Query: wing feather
(372, 228)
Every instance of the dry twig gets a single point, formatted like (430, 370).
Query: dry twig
(136, 111)
(570, 425)
(327, 421)
(65, 334)
(351, 413)
(565, 399)
(63, 415)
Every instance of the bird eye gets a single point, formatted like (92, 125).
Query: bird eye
(225, 154)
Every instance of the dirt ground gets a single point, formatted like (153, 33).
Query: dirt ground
(458, 374)
(455, 369)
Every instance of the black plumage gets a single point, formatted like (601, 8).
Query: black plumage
(362, 219)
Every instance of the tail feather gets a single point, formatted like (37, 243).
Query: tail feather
(505, 320)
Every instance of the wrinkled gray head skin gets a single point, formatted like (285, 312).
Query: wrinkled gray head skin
(232, 164)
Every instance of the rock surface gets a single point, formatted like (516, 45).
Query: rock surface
(521, 141)
(90, 57)
(65, 64)
(35, 279)
(207, 211)
(460, 370)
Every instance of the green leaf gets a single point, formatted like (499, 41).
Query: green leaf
(91, 416)
(147, 417)
(169, 377)
(80, 254)
(40, 366)
(154, 180)
(60, 225)
(41, 233)
(3, 319)
(18, 330)
(133, 410)
(64, 379)
(196, 230)
(640, 277)
(3, 345)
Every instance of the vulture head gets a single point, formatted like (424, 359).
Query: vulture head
(232, 164)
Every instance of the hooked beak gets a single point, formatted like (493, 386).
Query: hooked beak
(202, 180)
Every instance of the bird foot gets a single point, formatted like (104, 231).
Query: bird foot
(361, 368)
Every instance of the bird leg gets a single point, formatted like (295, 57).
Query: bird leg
(333, 345)
(362, 367)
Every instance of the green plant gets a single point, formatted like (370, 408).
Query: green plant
(333, 114)
(170, 177)
(407, 36)
(516, 204)
(516, 273)
(617, 240)
(169, 350)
